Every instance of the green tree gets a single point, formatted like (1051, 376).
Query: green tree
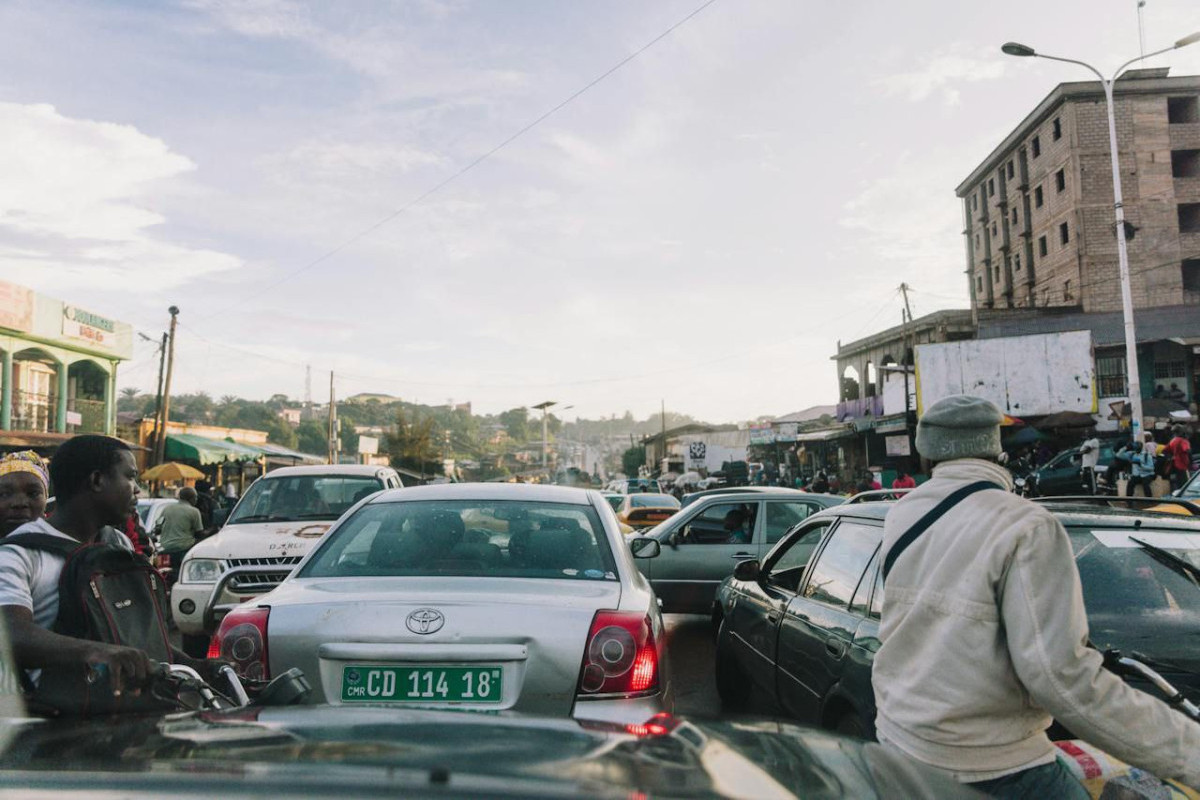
(516, 423)
(632, 459)
(348, 436)
(281, 433)
(312, 437)
(412, 443)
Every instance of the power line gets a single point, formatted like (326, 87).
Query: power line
(464, 170)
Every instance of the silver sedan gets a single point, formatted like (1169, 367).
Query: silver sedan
(473, 596)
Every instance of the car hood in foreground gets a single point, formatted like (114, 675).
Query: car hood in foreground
(315, 751)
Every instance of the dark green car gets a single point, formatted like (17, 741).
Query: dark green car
(1063, 474)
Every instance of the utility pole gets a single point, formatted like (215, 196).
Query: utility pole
(160, 444)
(663, 427)
(162, 358)
(909, 347)
(332, 423)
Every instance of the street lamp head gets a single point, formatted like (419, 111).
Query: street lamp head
(173, 311)
(1185, 41)
(1017, 49)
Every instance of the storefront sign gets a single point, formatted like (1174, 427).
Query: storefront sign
(697, 452)
(786, 431)
(92, 328)
(897, 445)
(16, 307)
(763, 435)
(368, 445)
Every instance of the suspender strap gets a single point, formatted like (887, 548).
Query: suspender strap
(933, 516)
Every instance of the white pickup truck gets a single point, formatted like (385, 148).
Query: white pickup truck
(273, 526)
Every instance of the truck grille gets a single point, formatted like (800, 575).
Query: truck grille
(275, 561)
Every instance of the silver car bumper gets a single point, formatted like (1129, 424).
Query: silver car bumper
(621, 710)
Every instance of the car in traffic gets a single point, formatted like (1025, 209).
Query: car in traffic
(645, 510)
(703, 542)
(468, 596)
(277, 521)
(631, 485)
(692, 497)
(800, 627)
(149, 509)
(1063, 474)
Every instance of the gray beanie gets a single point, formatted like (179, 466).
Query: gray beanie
(960, 426)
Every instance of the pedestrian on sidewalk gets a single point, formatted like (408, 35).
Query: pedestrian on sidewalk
(984, 634)
(179, 525)
(1089, 453)
(1179, 457)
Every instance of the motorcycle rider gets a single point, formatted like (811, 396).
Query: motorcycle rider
(984, 634)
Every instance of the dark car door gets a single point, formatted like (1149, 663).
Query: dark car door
(819, 624)
(758, 608)
(700, 550)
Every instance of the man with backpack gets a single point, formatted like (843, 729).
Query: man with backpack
(984, 634)
(48, 566)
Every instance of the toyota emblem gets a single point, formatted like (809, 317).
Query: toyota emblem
(425, 621)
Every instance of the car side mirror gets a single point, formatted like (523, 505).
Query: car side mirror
(644, 547)
(749, 570)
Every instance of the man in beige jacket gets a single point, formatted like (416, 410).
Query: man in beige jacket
(984, 635)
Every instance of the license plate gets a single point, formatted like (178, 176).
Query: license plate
(424, 684)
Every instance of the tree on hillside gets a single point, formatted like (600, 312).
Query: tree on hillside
(281, 433)
(632, 459)
(516, 423)
(312, 437)
(412, 444)
(348, 436)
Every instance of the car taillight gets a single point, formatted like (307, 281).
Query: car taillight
(242, 641)
(621, 656)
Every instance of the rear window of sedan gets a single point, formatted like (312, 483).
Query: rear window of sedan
(467, 538)
(652, 501)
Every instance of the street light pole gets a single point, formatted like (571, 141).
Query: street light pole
(1131, 362)
(545, 441)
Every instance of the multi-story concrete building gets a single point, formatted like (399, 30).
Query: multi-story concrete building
(1039, 224)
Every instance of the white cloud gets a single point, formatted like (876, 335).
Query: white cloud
(943, 71)
(76, 204)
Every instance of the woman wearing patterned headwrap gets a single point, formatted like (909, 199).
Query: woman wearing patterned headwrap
(24, 483)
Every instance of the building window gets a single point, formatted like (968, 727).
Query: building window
(1038, 199)
(1165, 370)
(1110, 376)
(1064, 234)
(974, 203)
(991, 187)
(994, 232)
(979, 283)
(977, 241)
(1036, 146)
(1191, 275)
(1057, 129)
(1067, 291)
(1182, 110)
(1011, 170)
(1185, 163)
(1017, 262)
(1189, 217)
(1060, 180)
(1014, 216)
(1042, 246)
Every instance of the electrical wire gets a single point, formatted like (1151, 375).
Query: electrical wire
(464, 170)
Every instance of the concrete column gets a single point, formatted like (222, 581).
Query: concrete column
(6, 392)
(110, 401)
(60, 418)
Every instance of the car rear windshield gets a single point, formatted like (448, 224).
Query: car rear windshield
(303, 497)
(1136, 601)
(653, 501)
(468, 538)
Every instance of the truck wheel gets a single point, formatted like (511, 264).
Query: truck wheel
(195, 646)
(733, 684)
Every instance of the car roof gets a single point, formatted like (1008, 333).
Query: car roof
(531, 492)
(1072, 514)
(327, 469)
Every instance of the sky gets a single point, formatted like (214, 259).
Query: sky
(318, 184)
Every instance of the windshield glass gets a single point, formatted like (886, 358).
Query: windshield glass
(318, 497)
(1192, 490)
(653, 501)
(1135, 601)
(465, 537)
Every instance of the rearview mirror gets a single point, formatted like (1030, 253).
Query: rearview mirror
(747, 570)
(644, 547)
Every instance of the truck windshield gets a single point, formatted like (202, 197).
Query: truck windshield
(304, 497)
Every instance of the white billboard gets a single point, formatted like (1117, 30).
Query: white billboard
(1024, 375)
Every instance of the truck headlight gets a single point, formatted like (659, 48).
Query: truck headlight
(201, 570)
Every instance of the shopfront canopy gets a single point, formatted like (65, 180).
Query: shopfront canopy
(190, 447)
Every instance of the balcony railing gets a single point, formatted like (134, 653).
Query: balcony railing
(34, 412)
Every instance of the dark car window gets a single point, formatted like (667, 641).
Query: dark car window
(721, 523)
(840, 565)
(877, 595)
(862, 595)
(787, 567)
(297, 497)
(783, 516)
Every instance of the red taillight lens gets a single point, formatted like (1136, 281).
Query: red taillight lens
(242, 641)
(621, 655)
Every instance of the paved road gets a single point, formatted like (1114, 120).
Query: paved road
(691, 647)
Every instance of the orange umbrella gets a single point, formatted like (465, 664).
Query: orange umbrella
(1010, 420)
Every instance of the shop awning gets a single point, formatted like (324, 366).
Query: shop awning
(825, 435)
(190, 447)
(275, 452)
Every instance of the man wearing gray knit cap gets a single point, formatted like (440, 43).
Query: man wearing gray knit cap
(984, 637)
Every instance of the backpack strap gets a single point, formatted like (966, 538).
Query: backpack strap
(43, 541)
(936, 513)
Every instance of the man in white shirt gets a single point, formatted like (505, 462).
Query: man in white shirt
(95, 480)
(1089, 453)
